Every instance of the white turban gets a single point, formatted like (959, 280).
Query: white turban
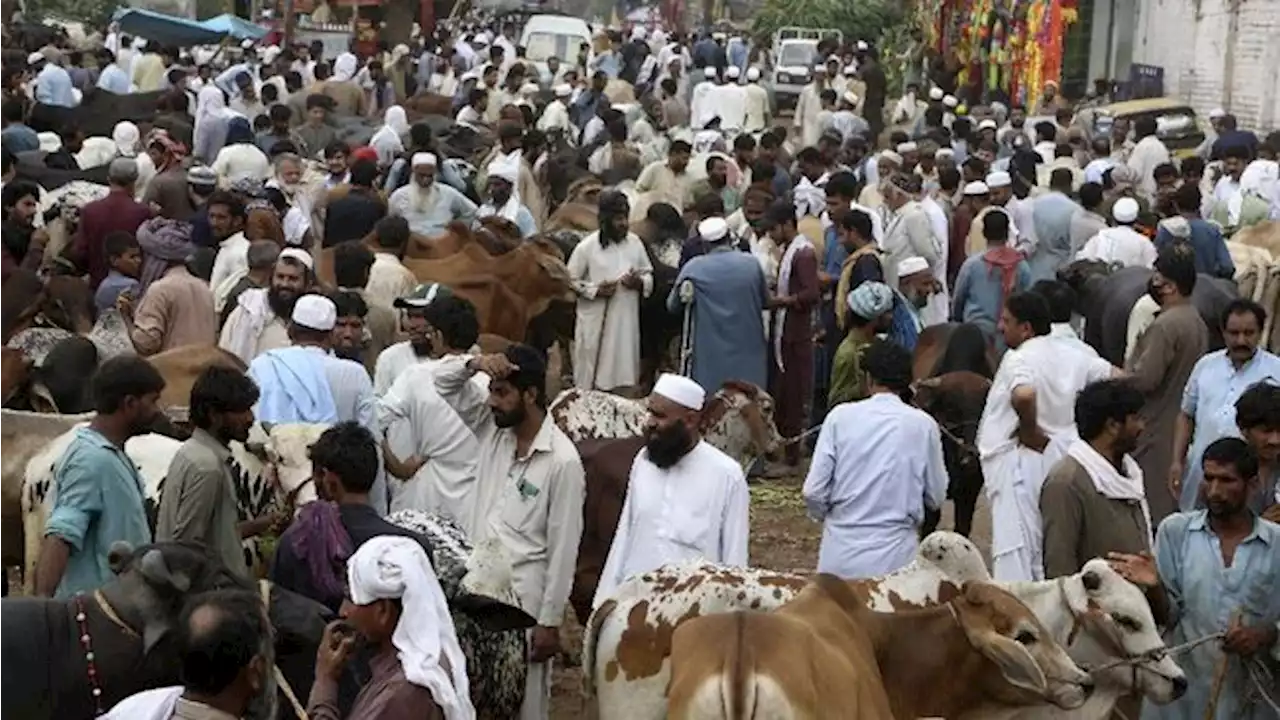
(126, 137)
(396, 568)
(507, 167)
(345, 67)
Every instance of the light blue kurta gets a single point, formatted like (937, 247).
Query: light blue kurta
(54, 86)
(1210, 400)
(430, 215)
(729, 292)
(1051, 215)
(1203, 594)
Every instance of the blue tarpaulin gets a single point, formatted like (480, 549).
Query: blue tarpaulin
(171, 30)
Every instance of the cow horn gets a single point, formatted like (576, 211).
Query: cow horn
(156, 571)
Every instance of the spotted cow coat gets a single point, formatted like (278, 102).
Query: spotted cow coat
(627, 642)
(737, 419)
(496, 661)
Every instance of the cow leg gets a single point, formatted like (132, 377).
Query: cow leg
(965, 495)
(931, 520)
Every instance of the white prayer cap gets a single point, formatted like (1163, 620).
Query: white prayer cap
(718, 36)
(713, 228)
(907, 147)
(862, 45)
(637, 32)
(999, 179)
(1125, 210)
(506, 167)
(850, 70)
(935, 93)
(950, 101)
(733, 72)
(35, 58)
(423, 158)
(987, 124)
(944, 153)
(851, 97)
(388, 567)
(299, 256)
(315, 312)
(247, 44)
(833, 59)
(891, 156)
(753, 74)
(680, 390)
(1214, 114)
(709, 71)
(977, 187)
(820, 68)
(270, 53)
(564, 90)
(529, 88)
(912, 265)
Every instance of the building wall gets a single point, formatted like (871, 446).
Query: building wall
(1215, 53)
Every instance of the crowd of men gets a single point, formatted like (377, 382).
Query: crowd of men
(815, 259)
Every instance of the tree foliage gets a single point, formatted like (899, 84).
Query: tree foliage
(857, 19)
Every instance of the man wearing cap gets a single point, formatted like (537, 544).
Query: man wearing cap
(702, 108)
(846, 120)
(868, 312)
(259, 321)
(117, 212)
(809, 106)
(177, 309)
(876, 469)
(908, 231)
(729, 291)
(728, 100)
(504, 174)
(757, 111)
(999, 193)
(427, 205)
(555, 116)
(535, 506)
(916, 288)
(1121, 244)
(610, 272)
(686, 500)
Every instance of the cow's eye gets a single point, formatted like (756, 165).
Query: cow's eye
(1025, 638)
(1126, 622)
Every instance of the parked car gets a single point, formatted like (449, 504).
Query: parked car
(1177, 125)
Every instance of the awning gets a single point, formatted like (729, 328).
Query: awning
(165, 29)
(237, 28)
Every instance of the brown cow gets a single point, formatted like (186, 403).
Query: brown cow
(496, 236)
(181, 366)
(606, 464)
(824, 655)
(533, 272)
(15, 368)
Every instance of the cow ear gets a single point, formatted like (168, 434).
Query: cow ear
(119, 555)
(1015, 663)
(156, 572)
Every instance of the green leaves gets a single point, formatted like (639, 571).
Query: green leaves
(857, 19)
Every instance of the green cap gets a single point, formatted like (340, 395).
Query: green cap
(423, 295)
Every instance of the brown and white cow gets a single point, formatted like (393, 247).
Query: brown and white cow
(1103, 618)
(737, 419)
(825, 655)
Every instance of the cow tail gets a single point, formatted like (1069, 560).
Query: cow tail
(739, 689)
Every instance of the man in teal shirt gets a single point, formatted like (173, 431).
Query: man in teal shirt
(98, 494)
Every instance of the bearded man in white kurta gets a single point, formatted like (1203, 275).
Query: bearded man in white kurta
(1027, 425)
(610, 272)
(686, 500)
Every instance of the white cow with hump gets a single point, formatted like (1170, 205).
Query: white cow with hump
(283, 446)
(1096, 614)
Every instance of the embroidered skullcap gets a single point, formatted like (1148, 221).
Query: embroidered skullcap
(862, 45)
(1214, 114)
(850, 70)
(851, 97)
(891, 156)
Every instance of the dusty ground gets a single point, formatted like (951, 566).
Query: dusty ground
(782, 538)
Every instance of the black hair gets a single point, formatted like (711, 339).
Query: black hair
(420, 135)
(118, 242)
(1045, 131)
(218, 390)
(349, 303)
(1165, 169)
(1234, 452)
(842, 184)
(476, 95)
(336, 148)
(1090, 195)
(1030, 308)
(713, 160)
(280, 114)
(680, 146)
(808, 155)
(708, 204)
(1187, 198)
(1060, 296)
(364, 172)
(781, 212)
(1177, 262)
(859, 222)
(391, 232)
(1245, 306)
(1238, 152)
(995, 226)
(1194, 164)
(322, 72)
(270, 93)
(230, 200)
(949, 179)
(455, 318)
(316, 100)
(889, 364)
(1144, 126)
(1105, 400)
(1259, 407)
(1061, 179)
(349, 451)
(351, 263)
(215, 652)
(532, 373)
(12, 110)
(744, 142)
(121, 377)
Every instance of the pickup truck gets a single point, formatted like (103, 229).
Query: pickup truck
(795, 52)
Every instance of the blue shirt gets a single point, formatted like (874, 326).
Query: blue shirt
(1209, 399)
(114, 79)
(98, 501)
(53, 87)
(1212, 257)
(112, 285)
(977, 296)
(1203, 594)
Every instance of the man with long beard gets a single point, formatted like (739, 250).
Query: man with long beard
(430, 206)
(686, 500)
(610, 272)
(532, 495)
(226, 662)
(259, 321)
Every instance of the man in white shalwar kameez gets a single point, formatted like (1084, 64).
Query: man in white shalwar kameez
(686, 500)
(610, 272)
(555, 117)
(729, 101)
(702, 106)
(809, 106)
(1027, 425)
(1121, 244)
(757, 104)
(877, 467)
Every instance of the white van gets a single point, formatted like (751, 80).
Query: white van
(558, 36)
